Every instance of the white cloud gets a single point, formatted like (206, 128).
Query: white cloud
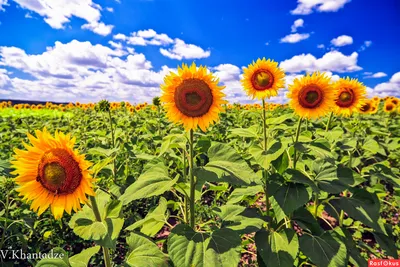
(390, 88)
(99, 28)
(305, 7)
(321, 46)
(297, 24)
(80, 71)
(342, 40)
(267, 43)
(227, 72)
(181, 50)
(145, 37)
(3, 3)
(295, 38)
(58, 13)
(365, 45)
(110, 9)
(333, 61)
(28, 16)
(376, 75)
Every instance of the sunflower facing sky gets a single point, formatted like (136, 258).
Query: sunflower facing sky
(51, 173)
(263, 78)
(192, 97)
(350, 95)
(389, 106)
(312, 96)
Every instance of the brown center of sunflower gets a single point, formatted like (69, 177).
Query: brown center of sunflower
(58, 172)
(346, 98)
(395, 101)
(262, 80)
(193, 97)
(310, 96)
(389, 107)
(365, 107)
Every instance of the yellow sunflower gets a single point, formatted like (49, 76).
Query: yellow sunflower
(350, 95)
(376, 99)
(366, 106)
(312, 96)
(395, 101)
(51, 173)
(373, 108)
(263, 78)
(192, 97)
(389, 107)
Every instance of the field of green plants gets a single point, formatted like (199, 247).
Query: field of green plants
(333, 190)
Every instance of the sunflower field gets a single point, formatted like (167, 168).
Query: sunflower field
(192, 180)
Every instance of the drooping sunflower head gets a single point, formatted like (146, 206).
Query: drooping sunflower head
(350, 95)
(366, 107)
(389, 107)
(192, 97)
(312, 96)
(51, 173)
(263, 78)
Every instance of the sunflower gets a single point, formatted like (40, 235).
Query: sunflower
(395, 101)
(350, 95)
(312, 96)
(374, 107)
(376, 99)
(192, 97)
(389, 107)
(51, 173)
(263, 78)
(366, 107)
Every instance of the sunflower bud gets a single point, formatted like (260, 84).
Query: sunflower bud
(156, 101)
(103, 105)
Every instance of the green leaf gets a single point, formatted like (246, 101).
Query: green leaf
(277, 249)
(326, 250)
(225, 162)
(387, 243)
(332, 179)
(298, 177)
(82, 259)
(114, 227)
(241, 219)
(288, 198)
(101, 165)
(154, 221)
(320, 148)
(243, 132)
(239, 194)
(354, 252)
(373, 146)
(57, 258)
(307, 221)
(362, 206)
(264, 158)
(153, 182)
(113, 209)
(189, 248)
(279, 120)
(144, 253)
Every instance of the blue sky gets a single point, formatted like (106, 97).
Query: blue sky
(87, 50)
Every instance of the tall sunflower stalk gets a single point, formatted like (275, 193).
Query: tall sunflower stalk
(193, 98)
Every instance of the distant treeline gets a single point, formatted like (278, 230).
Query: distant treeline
(14, 102)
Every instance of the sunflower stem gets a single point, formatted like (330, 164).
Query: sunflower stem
(329, 122)
(296, 140)
(265, 172)
(316, 205)
(185, 199)
(113, 144)
(191, 176)
(106, 252)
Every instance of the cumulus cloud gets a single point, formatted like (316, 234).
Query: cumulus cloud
(175, 48)
(295, 38)
(321, 46)
(80, 71)
(333, 61)
(305, 7)
(181, 50)
(376, 75)
(145, 37)
(3, 3)
(390, 88)
(58, 13)
(342, 40)
(297, 24)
